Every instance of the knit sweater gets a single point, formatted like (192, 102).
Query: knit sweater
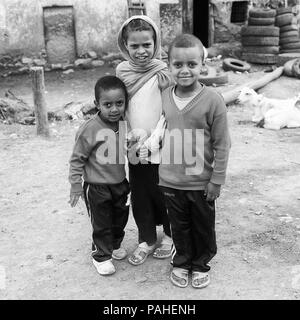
(196, 142)
(96, 156)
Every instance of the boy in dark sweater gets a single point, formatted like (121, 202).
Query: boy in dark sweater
(194, 159)
(99, 158)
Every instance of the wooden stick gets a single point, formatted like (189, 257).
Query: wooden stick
(231, 95)
(40, 109)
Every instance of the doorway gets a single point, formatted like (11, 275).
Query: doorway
(59, 34)
(201, 21)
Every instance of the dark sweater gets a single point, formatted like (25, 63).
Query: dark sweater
(208, 146)
(90, 162)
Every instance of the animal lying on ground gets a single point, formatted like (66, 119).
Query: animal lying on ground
(269, 112)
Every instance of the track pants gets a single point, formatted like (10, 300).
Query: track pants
(192, 221)
(148, 205)
(106, 204)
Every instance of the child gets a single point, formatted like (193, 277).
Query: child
(145, 77)
(197, 122)
(98, 157)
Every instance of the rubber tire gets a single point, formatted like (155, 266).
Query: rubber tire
(296, 68)
(284, 41)
(235, 65)
(260, 58)
(293, 33)
(289, 27)
(294, 45)
(208, 81)
(260, 41)
(289, 51)
(262, 13)
(261, 21)
(269, 31)
(285, 57)
(283, 19)
(262, 49)
(283, 10)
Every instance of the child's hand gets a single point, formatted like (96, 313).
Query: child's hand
(212, 191)
(74, 197)
(143, 152)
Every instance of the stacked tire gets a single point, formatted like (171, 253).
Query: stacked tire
(260, 38)
(289, 40)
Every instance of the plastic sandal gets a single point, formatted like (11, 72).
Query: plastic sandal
(119, 254)
(105, 268)
(165, 248)
(140, 254)
(200, 279)
(180, 277)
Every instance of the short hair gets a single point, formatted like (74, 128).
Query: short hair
(137, 25)
(107, 83)
(186, 40)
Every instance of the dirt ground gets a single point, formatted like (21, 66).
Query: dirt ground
(45, 245)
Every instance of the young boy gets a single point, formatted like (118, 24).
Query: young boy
(145, 77)
(99, 158)
(194, 160)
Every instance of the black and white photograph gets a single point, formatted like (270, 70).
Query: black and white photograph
(149, 151)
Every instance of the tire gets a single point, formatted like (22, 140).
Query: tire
(260, 58)
(262, 49)
(283, 10)
(269, 31)
(262, 13)
(287, 40)
(261, 21)
(285, 57)
(296, 68)
(235, 65)
(293, 51)
(208, 81)
(289, 27)
(283, 19)
(260, 41)
(286, 34)
(294, 45)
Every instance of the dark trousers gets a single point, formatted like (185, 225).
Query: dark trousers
(192, 221)
(106, 204)
(148, 205)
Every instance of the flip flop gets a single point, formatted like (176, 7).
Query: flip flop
(140, 254)
(180, 277)
(200, 279)
(165, 248)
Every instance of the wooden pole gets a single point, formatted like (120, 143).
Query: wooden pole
(38, 87)
(231, 95)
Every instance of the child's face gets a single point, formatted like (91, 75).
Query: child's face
(185, 65)
(140, 46)
(111, 104)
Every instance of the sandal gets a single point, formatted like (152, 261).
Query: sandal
(140, 254)
(165, 248)
(180, 277)
(200, 279)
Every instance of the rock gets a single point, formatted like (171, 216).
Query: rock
(112, 56)
(19, 64)
(68, 66)
(115, 63)
(83, 63)
(92, 54)
(68, 71)
(39, 62)
(56, 66)
(26, 60)
(140, 280)
(97, 63)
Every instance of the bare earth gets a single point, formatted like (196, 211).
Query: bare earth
(45, 245)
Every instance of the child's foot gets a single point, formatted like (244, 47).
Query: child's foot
(140, 254)
(104, 268)
(165, 248)
(119, 254)
(200, 279)
(180, 277)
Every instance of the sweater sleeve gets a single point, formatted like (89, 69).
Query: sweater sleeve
(81, 152)
(221, 144)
